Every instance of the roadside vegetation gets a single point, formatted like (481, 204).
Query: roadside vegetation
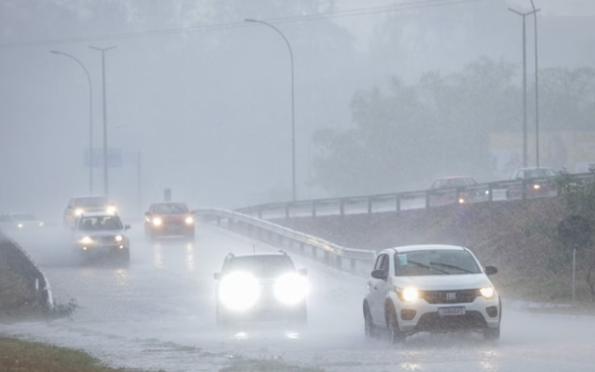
(265, 365)
(26, 356)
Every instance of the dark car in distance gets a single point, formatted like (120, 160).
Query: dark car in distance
(169, 219)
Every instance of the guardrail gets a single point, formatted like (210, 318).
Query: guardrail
(21, 261)
(360, 260)
(499, 191)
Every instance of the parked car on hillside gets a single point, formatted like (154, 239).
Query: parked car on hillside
(86, 204)
(20, 222)
(444, 191)
(431, 288)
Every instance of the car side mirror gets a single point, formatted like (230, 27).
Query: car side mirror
(148, 214)
(126, 227)
(217, 276)
(379, 274)
(194, 211)
(491, 270)
(303, 272)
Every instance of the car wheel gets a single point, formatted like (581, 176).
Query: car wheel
(491, 334)
(395, 334)
(369, 327)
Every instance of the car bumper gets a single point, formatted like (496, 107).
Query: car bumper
(171, 230)
(103, 249)
(480, 314)
(271, 311)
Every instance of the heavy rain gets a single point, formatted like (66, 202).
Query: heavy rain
(308, 185)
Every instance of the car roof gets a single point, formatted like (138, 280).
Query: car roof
(169, 202)
(88, 196)
(454, 178)
(426, 247)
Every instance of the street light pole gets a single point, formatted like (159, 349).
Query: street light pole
(525, 151)
(90, 114)
(293, 182)
(536, 87)
(105, 148)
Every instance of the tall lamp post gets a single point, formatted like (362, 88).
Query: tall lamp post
(524, 15)
(293, 187)
(105, 148)
(536, 87)
(90, 113)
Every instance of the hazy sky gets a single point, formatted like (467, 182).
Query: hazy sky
(210, 111)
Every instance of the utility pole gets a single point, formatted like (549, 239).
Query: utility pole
(536, 87)
(90, 114)
(525, 143)
(293, 182)
(105, 147)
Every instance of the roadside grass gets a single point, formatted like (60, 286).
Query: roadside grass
(264, 365)
(25, 356)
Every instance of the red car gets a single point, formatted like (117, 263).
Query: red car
(450, 185)
(536, 182)
(169, 219)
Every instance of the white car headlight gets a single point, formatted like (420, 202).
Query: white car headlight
(20, 226)
(41, 224)
(536, 187)
(291, 288)
(86, 240)
(79, 211)
(157, 221)
(487, 292)
(119, 238)
(189, 220)
(239, 291)
(410, 294)
(111, 210)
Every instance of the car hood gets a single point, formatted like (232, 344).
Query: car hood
(443, 282)
(173, 217)
(100, 233)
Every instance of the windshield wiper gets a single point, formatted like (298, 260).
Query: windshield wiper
(427, 267)
(452, 267)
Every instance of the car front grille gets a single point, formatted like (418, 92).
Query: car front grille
(449, 297)
(106, 240)
(434, 322)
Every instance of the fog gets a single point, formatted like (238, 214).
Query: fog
(209, 108)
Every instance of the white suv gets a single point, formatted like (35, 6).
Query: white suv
(431, 288)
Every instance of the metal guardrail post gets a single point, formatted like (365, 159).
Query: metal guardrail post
(339, 263)
(286, 210)
(398, 202)
(301, 248)
(342, 207)
(313, 208)
(428, 199)
(260, 212)
(524, 188)
(353, 267)
(490, 192)
(327, 258)
(314, 255)
(458, 195)
(369, 205)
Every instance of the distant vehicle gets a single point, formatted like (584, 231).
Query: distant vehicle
(431, 288)
(264, 286)
(20, 221)
(86, 204)
(169, 218)
(450, 185)
(101, 234)
(536, 183)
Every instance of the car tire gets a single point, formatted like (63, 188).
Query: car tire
(396, 336)
(369, 327)
(491, 334)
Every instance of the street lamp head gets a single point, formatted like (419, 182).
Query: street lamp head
(55, 52)
(251, 20)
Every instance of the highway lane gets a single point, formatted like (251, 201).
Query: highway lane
(159, 313)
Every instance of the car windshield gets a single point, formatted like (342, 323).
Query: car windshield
(100, 223)
(261, 266)
(23, 217)
(170, 208)
(539, 173)
(94, 201)
(457, 182)
(435, 262)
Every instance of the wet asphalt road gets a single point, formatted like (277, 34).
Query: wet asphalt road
(159, 314)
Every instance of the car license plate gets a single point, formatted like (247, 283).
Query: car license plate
(451, 310)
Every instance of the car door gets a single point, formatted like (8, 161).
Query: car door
(375, 288)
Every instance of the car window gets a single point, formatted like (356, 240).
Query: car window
(384, 263)
(539, 173)
(459, 182)
(94, 201)
(170, 208)
(379, 261)
(260, 266)
(435, 262)
(100, 223)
